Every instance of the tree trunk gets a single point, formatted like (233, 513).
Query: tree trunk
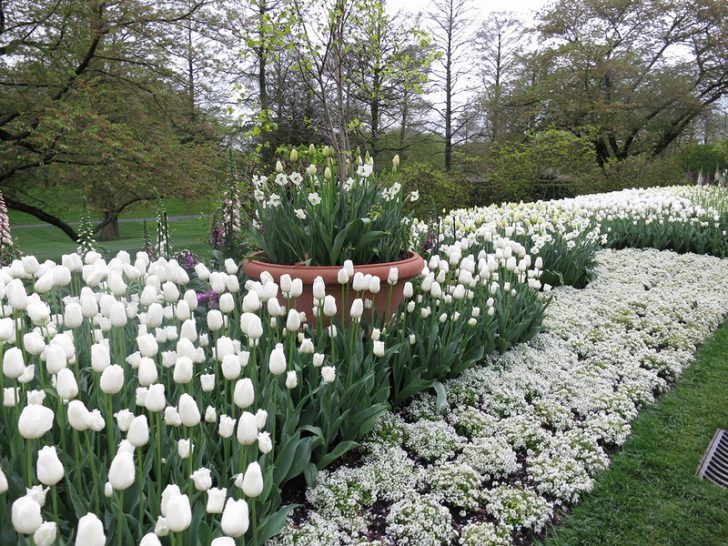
(110, 230)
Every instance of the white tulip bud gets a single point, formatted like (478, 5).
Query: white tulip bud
(202, 479)
(90, 531)
(35, 421)
(49, 468)
(234, 521)
(244, 394)
(328, 374)
(214, 320)
(147, 371)
(247, 429)
(216, 500)
(33, 343)
(112, 379)
(25, 515)
(291, 380)
(253, 480)
(277, 360)
(100, 357)
(293, 321)
(226, 427)
(183, 370)
(265, 445)
(138, 434)
(179, 513)
(188, 411)
(184, 448)
(46, 534)
(122, 471)
(13, 364)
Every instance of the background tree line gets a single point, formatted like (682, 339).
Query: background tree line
(119, 99)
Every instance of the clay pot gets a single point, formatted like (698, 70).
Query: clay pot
(408, 269)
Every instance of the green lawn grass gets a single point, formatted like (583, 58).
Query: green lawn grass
(50, 242)
(651, 496)
(66, 205)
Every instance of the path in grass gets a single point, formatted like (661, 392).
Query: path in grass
(651, 496)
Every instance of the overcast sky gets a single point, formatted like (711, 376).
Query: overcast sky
(483, 6)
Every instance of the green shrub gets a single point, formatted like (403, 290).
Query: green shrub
(437, 189)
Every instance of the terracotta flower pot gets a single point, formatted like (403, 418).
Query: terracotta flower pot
(408, 269)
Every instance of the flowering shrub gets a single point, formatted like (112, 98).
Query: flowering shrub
(314, 219)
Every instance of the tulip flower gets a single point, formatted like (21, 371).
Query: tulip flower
(223, 541)
(202, 479)
(138, 431)
(25, 515)
(13, 364)
(253, 480)
(184, 448)
(35, 421)
(244, 394)
(234, 521)
(328, 374)
(112, 379)
(49, 469)
(154, 399)
(3, 482)
(265, 444)
(216, 500)
(183, 370)
(33, 343)
(46, 534)
(231, 367)
(100, 357)
(122, 471)
(226, 426)
(291, 380)
(150, 539)
(277, 360)
(90, 531)
(214, 320)
(189, 411)
(247, 429)
(179, 513)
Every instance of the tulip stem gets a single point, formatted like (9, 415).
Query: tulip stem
(255, 520)
(110, 427)
(158, 453)
(141, 486)
(92, 463)
(122, 520)
(29, 464)
(54, 500)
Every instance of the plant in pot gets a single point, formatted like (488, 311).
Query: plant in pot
(349, 235)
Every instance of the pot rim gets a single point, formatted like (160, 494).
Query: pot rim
(408, 268)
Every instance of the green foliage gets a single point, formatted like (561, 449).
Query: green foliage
(547, 165)
(437, 190)
(694, 157)
(316, 220)
(640, 172)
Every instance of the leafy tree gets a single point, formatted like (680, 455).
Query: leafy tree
(89, 95)
(639, 73)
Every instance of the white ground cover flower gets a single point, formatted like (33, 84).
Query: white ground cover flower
(541, 415)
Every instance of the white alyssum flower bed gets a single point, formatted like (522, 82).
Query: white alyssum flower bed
(527, 433)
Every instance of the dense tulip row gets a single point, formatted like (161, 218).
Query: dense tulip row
(146, 403)
(567, 233)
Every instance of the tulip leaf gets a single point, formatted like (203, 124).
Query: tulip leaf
(273, 524)
(441, 403)
(337, 452)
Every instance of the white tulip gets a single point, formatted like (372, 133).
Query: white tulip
(244, 394)
(55, 357)
(46, 534)
(202, 479)
(100, 357)
(253, 480)
(185, 448)
(13, 364)
(226, 427)
(122, 471)
(208, 382)
(328, 374)
(79, 416)
(291, 380)
(49, 468)
(33, 343)
(189, 411)
(112, 379)
(247, 429)
(210, 414)
(154, 399)
(227, 303)
(179, 513)
(214, 320)
(150, 539)
(25, 515)
(235, 518)
(216, 500)
(183, 370)
(277, 360)
(265, 443)
(35, 421)
(138, 431)
(147, 371)
(329, 306)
